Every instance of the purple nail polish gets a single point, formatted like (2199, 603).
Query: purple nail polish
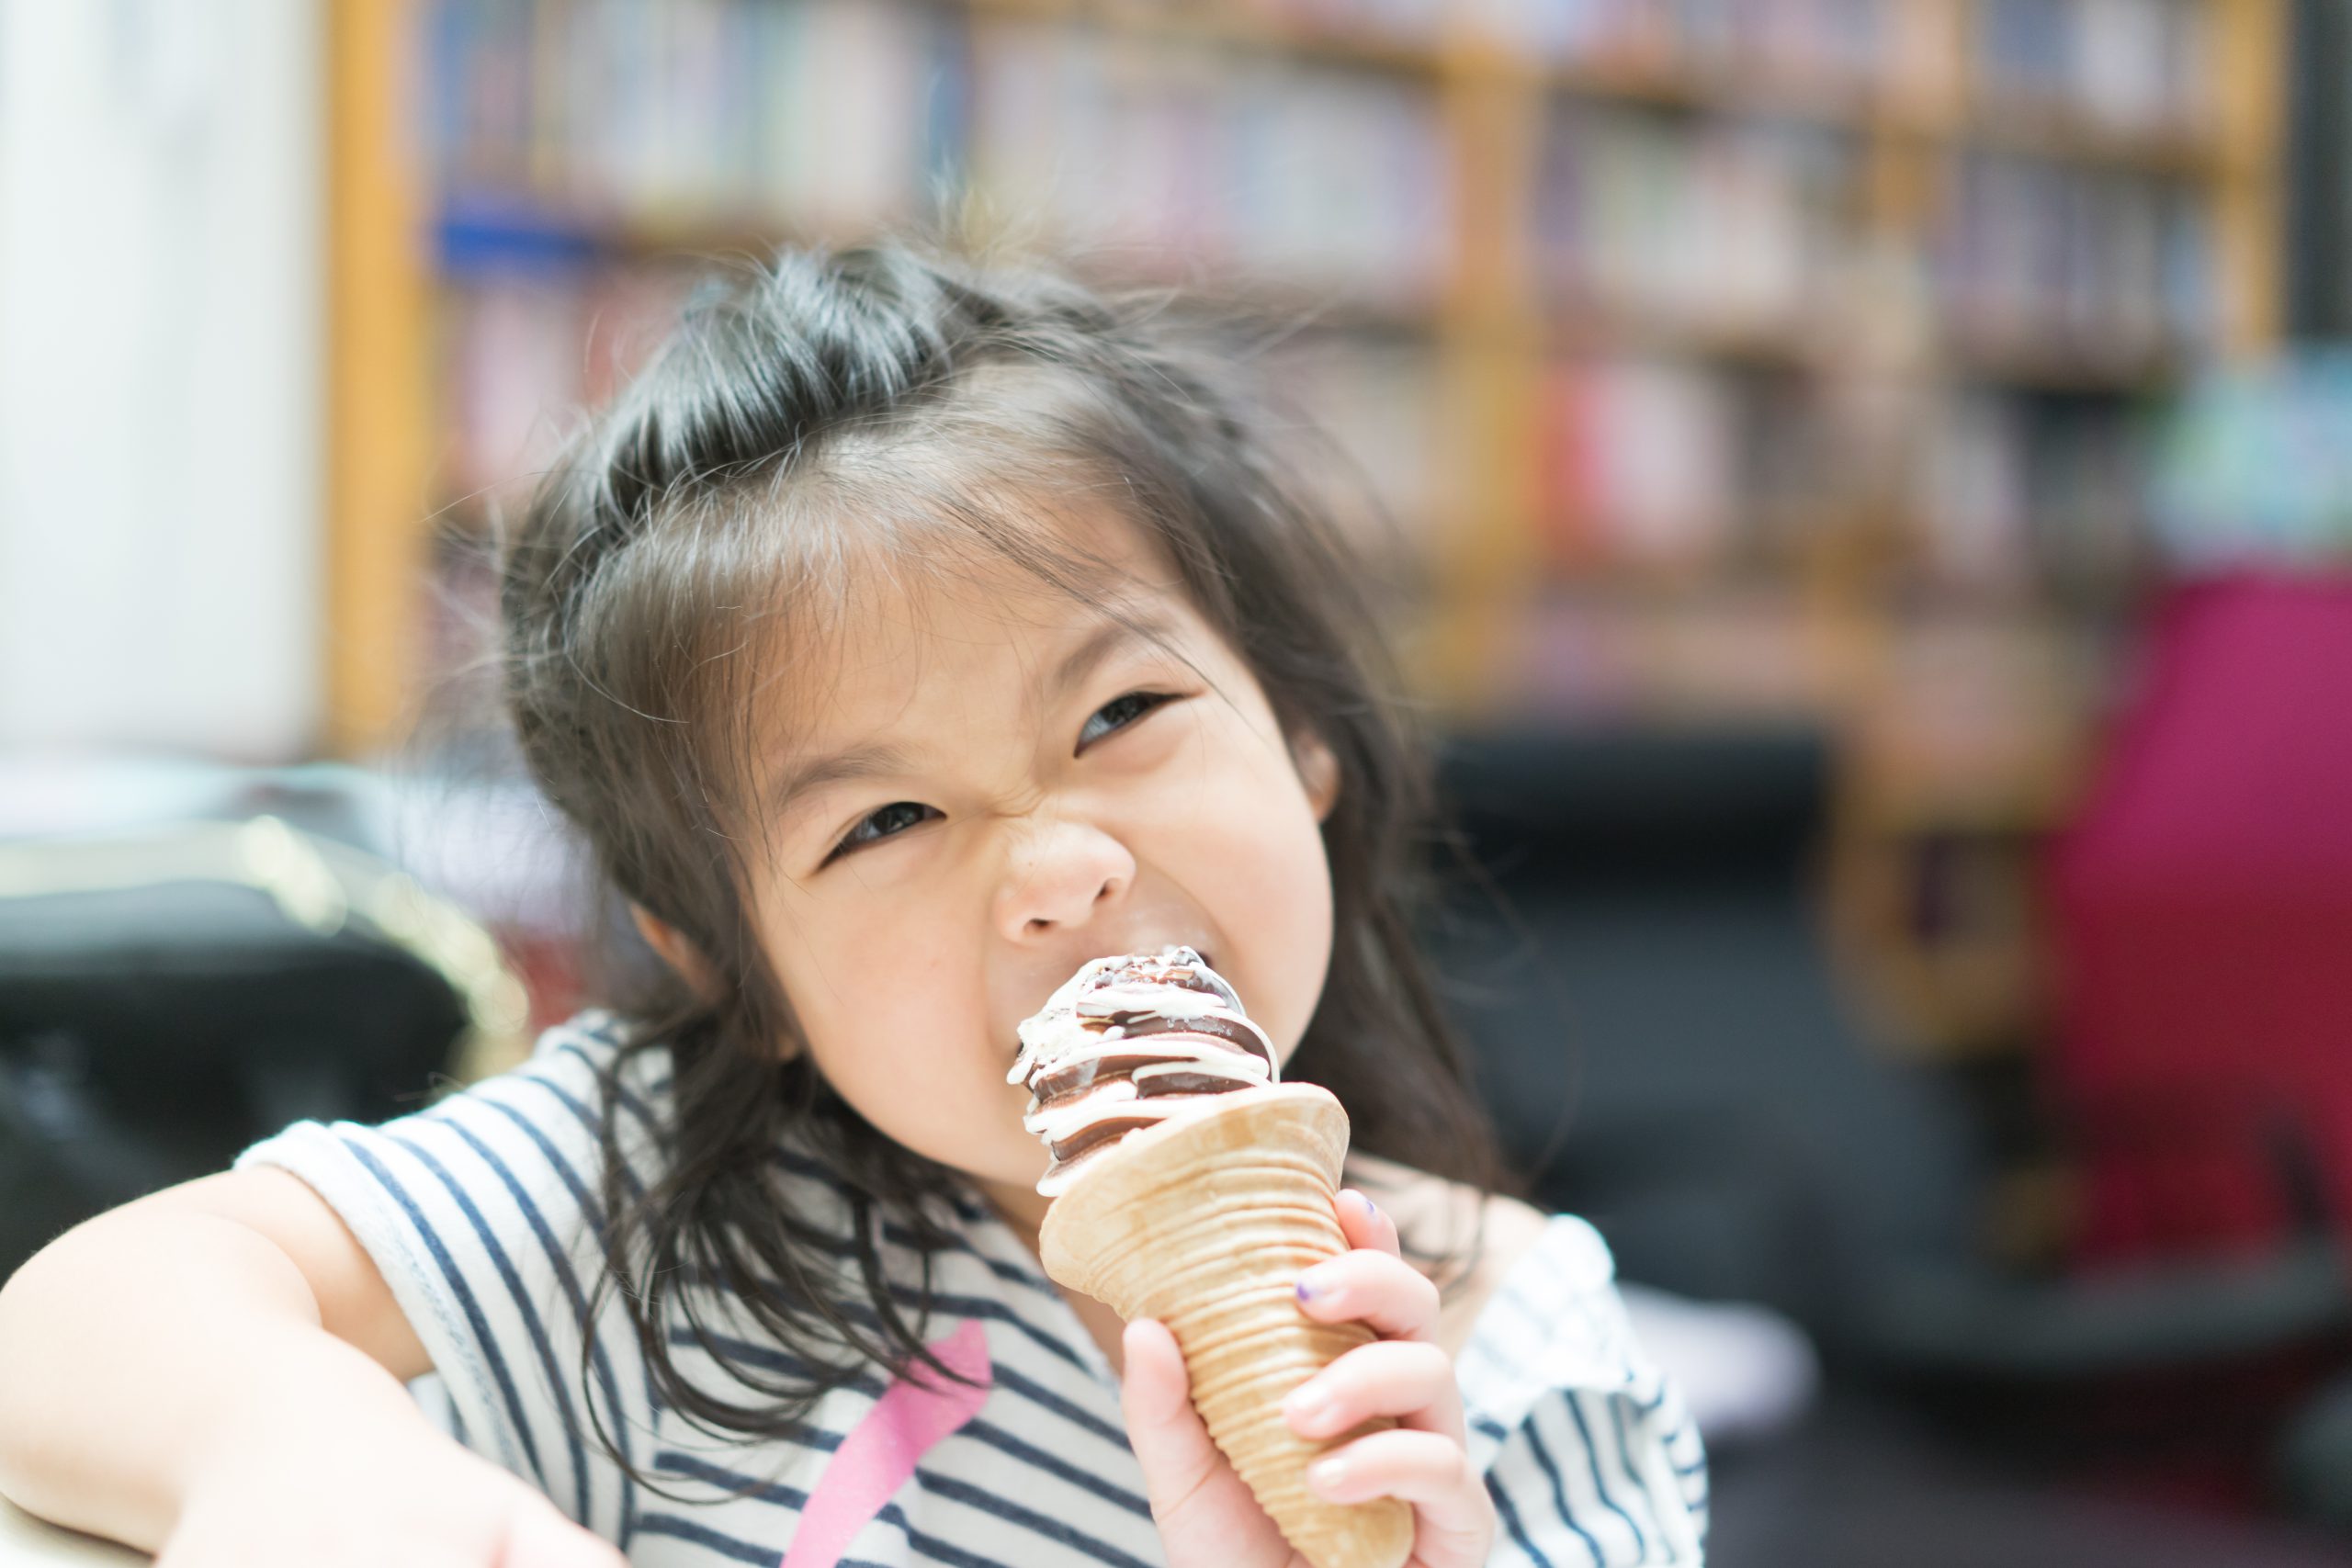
(1306, 1293)
(1369, 1207)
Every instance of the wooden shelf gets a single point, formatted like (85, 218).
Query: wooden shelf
(1225, 27)
(2038, 131)
(1492, 334)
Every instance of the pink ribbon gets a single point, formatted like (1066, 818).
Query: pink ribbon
(881, 1452)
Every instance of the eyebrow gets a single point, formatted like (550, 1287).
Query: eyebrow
(882, 756)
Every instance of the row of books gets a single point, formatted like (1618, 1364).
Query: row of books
(1361, 420)
(2142, 66)
(2128, 67)
(2074, 260)
(739, 112)
(1839, 45)
(744, 117)
(1652, 464)
(1325, 178)
(2049, 493)
(738, 117)
(1732, 227)
(1729, 225)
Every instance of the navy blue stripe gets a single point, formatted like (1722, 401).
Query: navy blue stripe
(794, 1498)
(465, 1303)
(1559, 1489)
(587, 1119)
(456, 1420)
(896, 1235)
(953, 1302)
(629, 1102)
(513, 1279)
(983, 1431)
(592, 1212)
(1012, 1381)
(1012, 1513)
(1592, 1461)
(1640, 1481)
(605, 1031)
(998, 1438)
(589, 1205)
(967, 1306)
(1036, 1393)
(975, 1307)
(562, 1261)
(767, 1357)
(800, 1163)
(1490, 1427)
(1010, 1273)
(1509, 1516)
(704, 1536)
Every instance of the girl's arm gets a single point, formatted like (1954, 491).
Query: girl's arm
(219, 1368)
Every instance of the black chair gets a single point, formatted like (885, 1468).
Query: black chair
(170, 995)
(1661, 1040)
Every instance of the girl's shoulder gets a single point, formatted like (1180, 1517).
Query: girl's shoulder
(1466, 1241)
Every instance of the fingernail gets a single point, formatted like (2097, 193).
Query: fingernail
(1369, 1206)
(1328, 1475)
(1311, 1288)
(1309, 1403)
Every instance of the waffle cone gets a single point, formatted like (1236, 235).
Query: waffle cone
(1206, 1224)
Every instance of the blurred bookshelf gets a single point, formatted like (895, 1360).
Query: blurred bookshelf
(1688, 362)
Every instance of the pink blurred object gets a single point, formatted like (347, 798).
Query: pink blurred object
(2202, 904)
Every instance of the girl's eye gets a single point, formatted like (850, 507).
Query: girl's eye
(896, 811)
(888, 821)
(1126, 708)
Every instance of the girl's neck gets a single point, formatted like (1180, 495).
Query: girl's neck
(1019, 1207)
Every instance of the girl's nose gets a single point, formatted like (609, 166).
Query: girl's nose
(1063, 876)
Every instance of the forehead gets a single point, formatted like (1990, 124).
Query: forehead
(947, 631)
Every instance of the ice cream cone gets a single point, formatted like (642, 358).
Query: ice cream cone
(1205, 1223)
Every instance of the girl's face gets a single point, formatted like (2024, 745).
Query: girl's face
(1020, 786)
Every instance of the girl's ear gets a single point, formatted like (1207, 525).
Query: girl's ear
(1318, 769)
(677, 952)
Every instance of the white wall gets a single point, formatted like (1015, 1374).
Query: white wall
(161, 374)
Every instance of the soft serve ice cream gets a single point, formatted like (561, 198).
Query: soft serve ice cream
(1129, 1042)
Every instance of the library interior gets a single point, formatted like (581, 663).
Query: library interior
(1858, 495)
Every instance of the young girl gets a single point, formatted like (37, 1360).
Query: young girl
(909, 634)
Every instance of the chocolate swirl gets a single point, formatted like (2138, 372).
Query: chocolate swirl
(1129, 1042)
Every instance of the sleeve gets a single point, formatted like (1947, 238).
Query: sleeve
(1588, 1452)
(482, 1214)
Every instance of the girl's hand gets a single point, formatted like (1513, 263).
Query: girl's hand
(373, 1497)
(1208, 1518)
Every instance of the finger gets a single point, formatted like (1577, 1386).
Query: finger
(1364, 1223)
(1376, 1288)
(1171, 1443)
(1430, 1472)
(538, 1536)
(1410, 1380)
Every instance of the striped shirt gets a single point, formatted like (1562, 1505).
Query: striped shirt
(482, 1213)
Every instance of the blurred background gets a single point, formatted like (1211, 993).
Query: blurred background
(1864, 486)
